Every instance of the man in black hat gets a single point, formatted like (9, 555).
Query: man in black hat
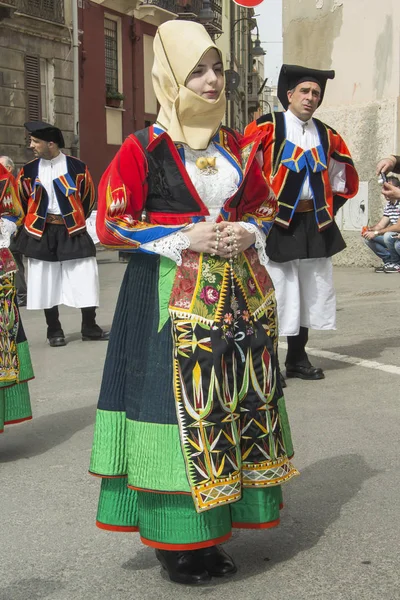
(312, 174)
(57, 194)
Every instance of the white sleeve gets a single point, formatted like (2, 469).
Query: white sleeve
(337, 176)
(260, 241)
(169, 246)
(7, 229)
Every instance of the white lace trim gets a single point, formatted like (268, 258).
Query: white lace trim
(169, 246)
(215, 188)
(7, 229)
(259, 243)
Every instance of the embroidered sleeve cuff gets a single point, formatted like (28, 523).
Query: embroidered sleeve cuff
(169, 246)
(260, 241)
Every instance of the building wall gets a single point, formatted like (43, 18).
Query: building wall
(103, 129)
(360, 41)
(21, 35)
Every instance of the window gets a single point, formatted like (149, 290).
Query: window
(33, 88)
(111, 52)
(47, 90)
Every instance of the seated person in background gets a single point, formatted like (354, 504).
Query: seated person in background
(381, 238)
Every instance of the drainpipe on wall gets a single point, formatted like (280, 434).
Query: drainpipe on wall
(75, 52)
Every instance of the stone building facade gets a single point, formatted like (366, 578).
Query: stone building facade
(35, 71)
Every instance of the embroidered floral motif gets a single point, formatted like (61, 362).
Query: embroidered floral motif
(228, 318)
(251, 285)
(209, 294)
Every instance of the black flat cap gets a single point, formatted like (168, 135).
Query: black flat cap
(291, 75)
(45, 131)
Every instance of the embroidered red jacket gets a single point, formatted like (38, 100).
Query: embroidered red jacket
(286, 166)
(74, 192)
(146, 193)
(10, 206)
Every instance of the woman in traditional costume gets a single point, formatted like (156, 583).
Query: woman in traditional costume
(15, 362)
(191, 437)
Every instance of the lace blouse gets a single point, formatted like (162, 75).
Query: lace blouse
(214, 188)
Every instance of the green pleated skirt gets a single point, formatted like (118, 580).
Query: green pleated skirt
(137, 448)
(15, 405)
(170, 522)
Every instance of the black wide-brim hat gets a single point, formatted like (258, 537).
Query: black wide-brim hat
(45, 131)
(291, 75)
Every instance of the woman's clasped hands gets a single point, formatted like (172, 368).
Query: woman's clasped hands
(223, 239)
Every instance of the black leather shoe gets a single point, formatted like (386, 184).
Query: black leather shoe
(95, 334)
(216, 561)
(183, 567)
(282, 380)
(301, 372)
(57, 341)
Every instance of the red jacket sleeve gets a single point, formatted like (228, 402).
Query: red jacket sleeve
(121, 201)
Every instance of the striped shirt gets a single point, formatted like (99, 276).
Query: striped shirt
(392, 212)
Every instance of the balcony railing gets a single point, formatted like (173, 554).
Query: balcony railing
(190, 9)
(216, 6)
(49, 10)
(253, 86)
(169, 5)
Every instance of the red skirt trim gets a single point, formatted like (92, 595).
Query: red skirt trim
(107, 476)
(183, 547)
(138, 489)
(120, 528)
(268, 525)
(17, 421)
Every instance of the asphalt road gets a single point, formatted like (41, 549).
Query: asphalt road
(339, 535)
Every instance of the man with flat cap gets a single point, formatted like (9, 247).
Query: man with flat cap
(57, 194)
(312, 174)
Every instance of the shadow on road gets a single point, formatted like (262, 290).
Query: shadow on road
(77, 336)
(316, 500)
(369, 349)
(30, 589)
(47, 432)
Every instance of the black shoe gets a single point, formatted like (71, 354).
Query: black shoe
(94, 334)
(380, 269)
(301, 372)
(183, 567)
(282, 380)
(216, 561)
(56, 339)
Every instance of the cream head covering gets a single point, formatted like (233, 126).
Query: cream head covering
(188, 118)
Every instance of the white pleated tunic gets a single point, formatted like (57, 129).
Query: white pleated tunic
(75, 282)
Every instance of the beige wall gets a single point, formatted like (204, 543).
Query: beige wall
(150, 100)
(360, 40)
(223, 42)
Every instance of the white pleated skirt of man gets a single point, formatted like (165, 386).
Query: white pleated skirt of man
(74, 283)
(305, 294)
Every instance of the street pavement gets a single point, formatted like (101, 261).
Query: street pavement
(339, 533)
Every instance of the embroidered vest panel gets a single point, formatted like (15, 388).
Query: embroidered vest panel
(290, 167)
(168, 191)
(68, 192)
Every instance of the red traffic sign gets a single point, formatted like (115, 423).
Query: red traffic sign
(248, 3)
